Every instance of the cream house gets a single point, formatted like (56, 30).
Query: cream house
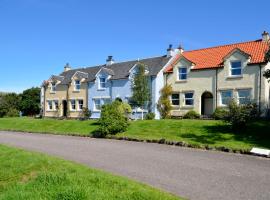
(65, 95)
(205, 79)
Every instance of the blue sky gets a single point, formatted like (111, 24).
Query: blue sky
(38, 37)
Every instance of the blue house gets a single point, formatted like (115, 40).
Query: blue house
(114, 80)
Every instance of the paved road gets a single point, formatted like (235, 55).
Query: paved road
(190, 173)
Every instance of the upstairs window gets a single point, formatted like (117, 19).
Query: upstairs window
(102, 82)
(189, 101)
(236, 68)
(226, 97)
(77, 85)
(53, 87)
(80, 103)
(72, 104)
(175, 99)
(182, 73)
(244, 96)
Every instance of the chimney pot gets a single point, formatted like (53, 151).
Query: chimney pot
(265, 36)
(67, 67)
(110, 60)
(170, 51)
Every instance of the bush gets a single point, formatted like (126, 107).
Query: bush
(12, 113)
(112, 120)
(150, 116)
(220, 114)
(164, 103)
(240, 115)
(85, 113)
(192, 114)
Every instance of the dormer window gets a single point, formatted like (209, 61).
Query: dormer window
(53, 87)
(182, 73)
(77, 85)
(102, 82)
(236, 68)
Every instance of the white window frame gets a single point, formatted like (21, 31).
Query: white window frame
(221, 97)
(248, 97)
(77, 85)
(53, 87)
(180, 73)
(185, 99)
(71, 104)
(80, 105)
(54, 104)
(100, 83)
(172, 99)
(231, 69)
(95, 104)
(49, 105)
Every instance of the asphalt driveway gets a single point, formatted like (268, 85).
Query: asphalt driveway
(190, 173)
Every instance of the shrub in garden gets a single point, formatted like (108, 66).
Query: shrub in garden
(240, 115)
(220, 114)
(85, 113)
(150, 116)
(12, 112)
(164, 103)
(192, 114)
(112, 120)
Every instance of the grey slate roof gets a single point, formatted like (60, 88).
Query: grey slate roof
(119, 70)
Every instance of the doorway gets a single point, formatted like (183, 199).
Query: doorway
(207, 103)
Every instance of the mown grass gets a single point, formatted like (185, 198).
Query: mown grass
(54, 126)
(199, 132)
(27, 175)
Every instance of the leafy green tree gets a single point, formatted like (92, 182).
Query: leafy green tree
(164, 104)
(9, 102)
(266, 74)
(30, 101)
(140, 88)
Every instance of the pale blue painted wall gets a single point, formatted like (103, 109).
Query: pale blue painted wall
(122, 89)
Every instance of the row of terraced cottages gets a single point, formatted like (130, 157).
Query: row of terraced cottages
(202, 80)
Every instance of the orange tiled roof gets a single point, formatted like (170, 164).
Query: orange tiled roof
(213, 57)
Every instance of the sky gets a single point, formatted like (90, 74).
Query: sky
(38, 37)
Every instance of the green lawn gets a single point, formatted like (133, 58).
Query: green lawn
(26, 175)
(199, 132)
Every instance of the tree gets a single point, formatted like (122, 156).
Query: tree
(266, 74)
(140, 88)
(30, 101)
(164, 104)
(9, 103)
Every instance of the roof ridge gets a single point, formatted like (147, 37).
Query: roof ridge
(225, 45)
(104, 65)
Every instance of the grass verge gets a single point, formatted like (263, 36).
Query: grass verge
(196, 132)
(28, 175)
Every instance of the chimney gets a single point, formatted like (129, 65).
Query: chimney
(265, 36)
(170, 51)
(180, 48)
(67, 67)
(109, 60)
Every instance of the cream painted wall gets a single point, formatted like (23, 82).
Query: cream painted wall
(61, 94)
(199, 81)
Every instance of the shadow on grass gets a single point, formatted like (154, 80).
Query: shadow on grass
(256, 133)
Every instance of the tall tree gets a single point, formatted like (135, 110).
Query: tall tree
(266, 74)
(164, 103)
(140, 88)
(30, 101)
